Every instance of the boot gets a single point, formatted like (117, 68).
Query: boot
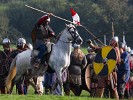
(37, 62)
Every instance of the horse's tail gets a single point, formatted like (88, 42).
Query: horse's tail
(11, 74)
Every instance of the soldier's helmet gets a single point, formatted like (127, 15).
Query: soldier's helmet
(76, 46)
(6, 41)
(89, 49)
(115, 38)
(121, 45)
(131, 53)
(128, 49)
(6, 44)
(21, 41)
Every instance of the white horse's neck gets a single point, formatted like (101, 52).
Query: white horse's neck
(63, 43)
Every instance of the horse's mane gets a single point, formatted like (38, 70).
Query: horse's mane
(57, 38)
(59, 35)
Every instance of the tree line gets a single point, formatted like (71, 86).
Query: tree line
(16, 20)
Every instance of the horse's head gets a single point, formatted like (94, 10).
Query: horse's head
(73, 34)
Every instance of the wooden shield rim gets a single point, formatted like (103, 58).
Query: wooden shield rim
(88, 77)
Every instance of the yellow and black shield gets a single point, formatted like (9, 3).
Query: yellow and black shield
(105, 61)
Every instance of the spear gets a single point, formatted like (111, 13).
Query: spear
(47, 13)
(113, 31)
(65, 20)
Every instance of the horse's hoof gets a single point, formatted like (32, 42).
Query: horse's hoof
(40, 93)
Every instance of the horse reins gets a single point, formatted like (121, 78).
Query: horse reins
(74, 37)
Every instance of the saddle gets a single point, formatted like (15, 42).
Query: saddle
(34, 54)
(49, 49)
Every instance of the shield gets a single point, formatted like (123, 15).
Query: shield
(5, 62)
(105, 61)
(86, 78)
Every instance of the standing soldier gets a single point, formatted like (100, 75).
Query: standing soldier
(20, 48)
(5, 62)
(77, 64)
(106, 81)
(131, 74)
(90, 58)
(123, 72)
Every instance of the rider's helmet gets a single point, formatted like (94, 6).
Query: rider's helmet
(21, 43)
(44, 19)
(6, 44)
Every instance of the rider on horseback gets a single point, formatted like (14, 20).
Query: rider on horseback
(41, 35)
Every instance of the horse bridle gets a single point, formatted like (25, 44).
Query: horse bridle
(72, 34)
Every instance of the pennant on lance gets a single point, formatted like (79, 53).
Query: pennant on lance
(75, 16)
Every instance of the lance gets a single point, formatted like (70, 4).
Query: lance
(111, 76)
(65, 20)
(47, 13)
(124, 38)
(92, 35)
(105, 39)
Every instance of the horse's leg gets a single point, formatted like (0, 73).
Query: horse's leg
(54, 85)
(59, 80)
(32, 84)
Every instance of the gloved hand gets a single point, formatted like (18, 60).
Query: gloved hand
(51, 34)
(89, 42)
(50, 14)
(122, 61)
(54, 36)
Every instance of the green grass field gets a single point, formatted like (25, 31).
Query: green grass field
(46, 97)
(32, 96)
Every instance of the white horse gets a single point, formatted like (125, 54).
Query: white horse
(58, 61)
